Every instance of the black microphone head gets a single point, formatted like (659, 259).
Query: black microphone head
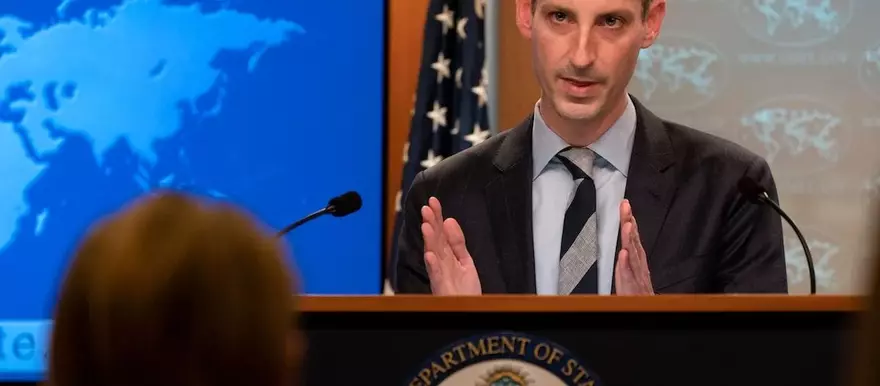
(345, 204)
(751, 190)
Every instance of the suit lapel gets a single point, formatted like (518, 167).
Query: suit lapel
(509, 200)
(650, 184)
(650, 188)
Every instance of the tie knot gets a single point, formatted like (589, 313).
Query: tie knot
(578, 160)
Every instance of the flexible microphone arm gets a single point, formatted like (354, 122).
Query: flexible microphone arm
(752, 191)
(301, 221)
(339, 206)
(763, 197)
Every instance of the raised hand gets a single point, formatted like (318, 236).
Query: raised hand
(450, 266)
(631, 275)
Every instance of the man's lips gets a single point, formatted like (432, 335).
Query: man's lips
(579, 87)
(579, 82)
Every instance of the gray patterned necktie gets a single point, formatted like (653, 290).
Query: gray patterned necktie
(578, 271)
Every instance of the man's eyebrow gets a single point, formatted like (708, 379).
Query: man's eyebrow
(626, 13)
(556, 7)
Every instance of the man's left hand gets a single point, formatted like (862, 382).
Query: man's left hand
(631, 275)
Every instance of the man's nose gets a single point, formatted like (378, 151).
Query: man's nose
(584, 54)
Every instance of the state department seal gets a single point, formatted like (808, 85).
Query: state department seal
(504, 359)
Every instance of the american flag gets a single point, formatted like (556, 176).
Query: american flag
(450, 111)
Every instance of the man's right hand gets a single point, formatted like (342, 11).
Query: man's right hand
(450, 266)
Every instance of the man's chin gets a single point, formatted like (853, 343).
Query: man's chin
(578, 110)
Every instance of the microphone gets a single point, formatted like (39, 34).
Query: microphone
(758, 195)
(339, 206)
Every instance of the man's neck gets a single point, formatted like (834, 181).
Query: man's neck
(582, 132)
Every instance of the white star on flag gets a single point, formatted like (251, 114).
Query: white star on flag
(438, 116)
(480, 8)
(431, 159)
(462, 23)
(447, 18)
(479, 135)
(442, 67)
(451, 101)
(481, 89)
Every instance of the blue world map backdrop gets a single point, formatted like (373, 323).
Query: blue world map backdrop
(273, 105)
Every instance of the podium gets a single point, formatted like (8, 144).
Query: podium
(510, 340)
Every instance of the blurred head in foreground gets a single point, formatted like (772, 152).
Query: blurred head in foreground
(173, 291)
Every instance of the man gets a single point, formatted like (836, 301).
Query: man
(550, 206)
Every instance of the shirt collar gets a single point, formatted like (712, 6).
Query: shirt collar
(615, 146)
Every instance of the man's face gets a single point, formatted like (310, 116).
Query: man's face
(585, 51)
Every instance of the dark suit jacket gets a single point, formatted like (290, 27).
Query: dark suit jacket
(699, 233)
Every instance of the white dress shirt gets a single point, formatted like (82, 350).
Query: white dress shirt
(553, 188)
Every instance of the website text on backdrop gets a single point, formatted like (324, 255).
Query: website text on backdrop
(505, 225)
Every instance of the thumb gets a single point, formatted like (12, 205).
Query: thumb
(455, 236)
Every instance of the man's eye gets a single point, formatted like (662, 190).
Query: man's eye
(612, 21)
(558, 16)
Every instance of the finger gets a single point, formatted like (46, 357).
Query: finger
(428, 235)
(624, 220)
(437, 210)
(432, 266)
(432, 243)
(627, 239)
(435, 242)
(639, 259)
(626, 279)
(635, 229)
(625, 211)
(636, 258)
(628, 262)
(434, 203)
(435, 273)
(623, 263)
(618, 269)
(640, 249)
(456, 240)
(435, 206)
(428, 219)
(427, 214)
(639, 278)
(442, 237)
(633, 247)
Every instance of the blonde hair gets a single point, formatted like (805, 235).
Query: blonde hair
(175, 292)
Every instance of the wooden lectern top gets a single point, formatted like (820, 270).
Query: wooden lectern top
(536, 303)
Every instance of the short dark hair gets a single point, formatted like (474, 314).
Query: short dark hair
(645, 5)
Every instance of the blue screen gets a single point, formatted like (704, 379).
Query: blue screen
(273, 105)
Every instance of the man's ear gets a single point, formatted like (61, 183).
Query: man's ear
(653, 22)
(524, 17)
